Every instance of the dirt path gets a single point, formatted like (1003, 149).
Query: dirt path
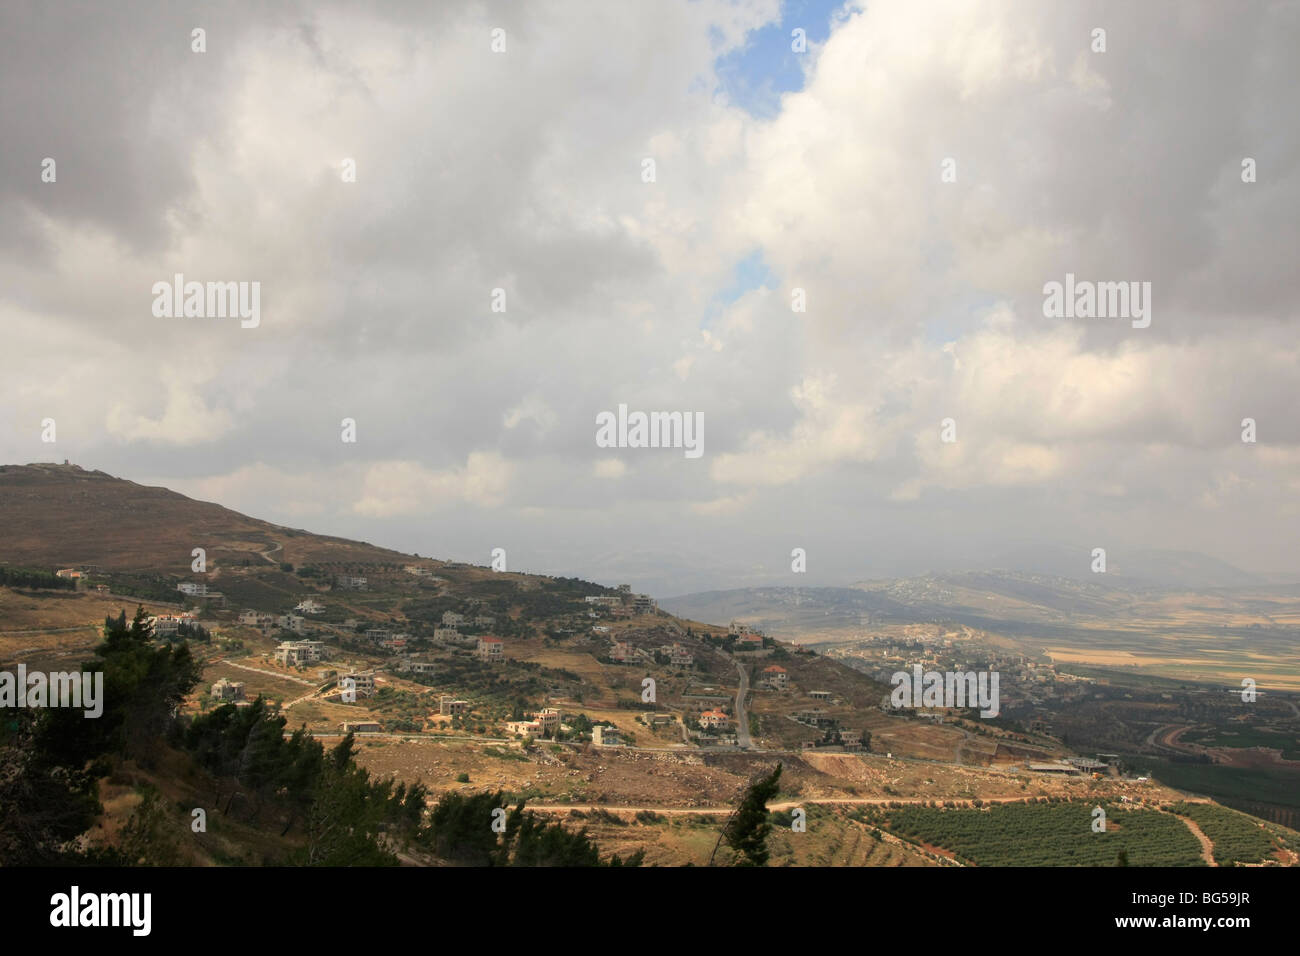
(258, 670)
(1207, 848)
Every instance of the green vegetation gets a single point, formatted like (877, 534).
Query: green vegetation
(33, 578)
(475, 829)
(1049, 834)
(1244, 737)
(1237, 838)
(51, 760)
(746, 831)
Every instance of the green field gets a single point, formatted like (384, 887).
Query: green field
(1237, 838)
(1049, 834)
(1247, 737)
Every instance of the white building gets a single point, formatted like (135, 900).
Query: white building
(295, 653)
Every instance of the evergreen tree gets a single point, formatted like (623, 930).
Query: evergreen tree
(746, 832)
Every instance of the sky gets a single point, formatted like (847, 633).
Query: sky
(913, 174)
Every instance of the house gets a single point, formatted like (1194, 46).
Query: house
(484, 620)
(715, 719)
(193, 589)
(422, 668)
(70, 573)
(309, 606)
(643, 604)
(395, 643)
(653, 720)
(360, 727)
(376, 635)
(819, 694)
(296, 653)
(225, 689)
(549, 718)
(749, 642)
(679, 656)
(814, 718)
(450, 707)
(292, 622)
(603, 736)
(776, 677)
(363, 682)
(452, 619)
(418, 571)
(350, 582)
(544, 723)
(446, 635)
(623, 652)
(163, 626)
(851, 739)
(608, 600)
(256, 619)
(491, 649)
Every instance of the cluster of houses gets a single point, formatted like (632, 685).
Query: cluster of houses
(385, 638)
(623, 604)
(263, 621)
(624, 652)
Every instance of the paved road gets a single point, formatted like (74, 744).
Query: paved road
(742, 719)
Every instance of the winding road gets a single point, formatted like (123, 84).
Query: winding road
(742, 719)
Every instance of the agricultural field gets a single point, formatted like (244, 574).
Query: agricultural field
(1048, 834)
(1237, 838)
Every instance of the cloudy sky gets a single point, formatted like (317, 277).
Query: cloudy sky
(919, 172)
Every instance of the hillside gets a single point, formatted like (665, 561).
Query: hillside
(64, 515)
(588, 702)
